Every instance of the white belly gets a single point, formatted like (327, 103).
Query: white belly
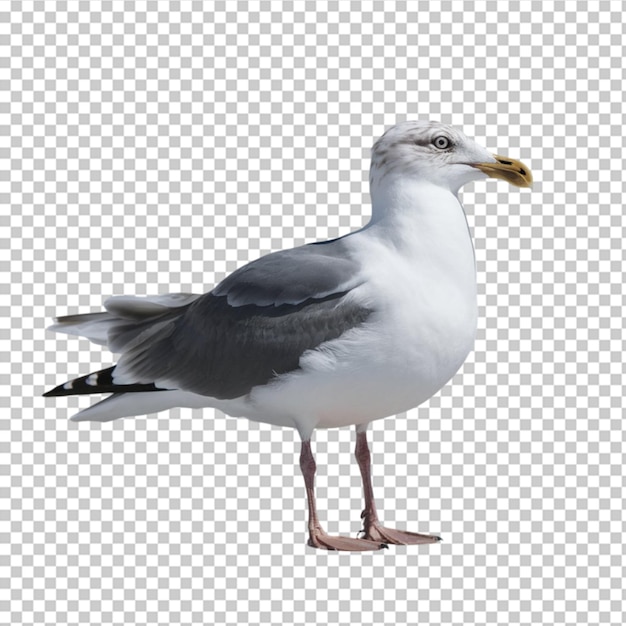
(377, 370)
(419, 336)
(418, 277)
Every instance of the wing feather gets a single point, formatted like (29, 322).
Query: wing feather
(255, 325)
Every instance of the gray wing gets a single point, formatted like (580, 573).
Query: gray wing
(254, 325)
(292, 276)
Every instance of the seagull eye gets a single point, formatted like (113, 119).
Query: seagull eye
(441, 142)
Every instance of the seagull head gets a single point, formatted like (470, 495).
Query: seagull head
(441, 155)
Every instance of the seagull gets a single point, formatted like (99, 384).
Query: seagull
(329, 334)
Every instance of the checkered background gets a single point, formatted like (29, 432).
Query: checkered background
(150, 147)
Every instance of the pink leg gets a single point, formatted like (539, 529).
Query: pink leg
(372, 528)
(317, 537)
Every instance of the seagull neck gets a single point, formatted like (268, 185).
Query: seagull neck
(426, 225)
(398, 203)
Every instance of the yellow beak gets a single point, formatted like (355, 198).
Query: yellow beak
(514, 172)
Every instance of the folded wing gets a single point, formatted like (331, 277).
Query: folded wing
(254, 325)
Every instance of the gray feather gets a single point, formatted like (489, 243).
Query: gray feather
(292, 276)
(125, 318)
(256, 324)
(218, 350)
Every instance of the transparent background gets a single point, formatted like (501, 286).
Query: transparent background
(150, 147)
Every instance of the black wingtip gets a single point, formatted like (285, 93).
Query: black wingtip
(66, 389)
(98, 382)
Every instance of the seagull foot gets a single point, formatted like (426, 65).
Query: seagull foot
(319, 539)
(375, 532)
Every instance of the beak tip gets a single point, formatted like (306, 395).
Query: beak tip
(511, 170)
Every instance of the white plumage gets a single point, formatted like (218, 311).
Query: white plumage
(327, 335)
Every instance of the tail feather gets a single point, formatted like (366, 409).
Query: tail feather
(93, 326)
(126, 321)
(135, 307)
(125, 317)
(130, 404)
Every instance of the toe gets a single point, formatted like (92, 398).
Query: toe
(400, 537)
(345, 544)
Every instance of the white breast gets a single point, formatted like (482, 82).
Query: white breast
(420, 279)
